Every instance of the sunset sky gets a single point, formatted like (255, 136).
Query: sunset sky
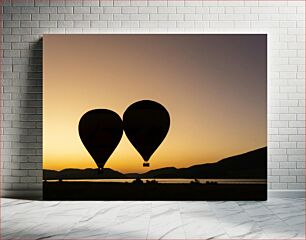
(214, 87)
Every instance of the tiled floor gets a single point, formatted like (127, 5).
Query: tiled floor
(273, 219)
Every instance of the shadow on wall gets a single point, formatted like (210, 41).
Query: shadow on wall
(29, 128)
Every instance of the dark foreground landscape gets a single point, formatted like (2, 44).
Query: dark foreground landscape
(164, 191)
(249, 165)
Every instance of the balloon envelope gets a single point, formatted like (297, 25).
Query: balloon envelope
(146, 124)
(100, 131)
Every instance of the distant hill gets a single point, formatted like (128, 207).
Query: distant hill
(88, 173)
(252, 164)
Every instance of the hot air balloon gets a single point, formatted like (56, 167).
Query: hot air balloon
(100, 131)
(146, 124)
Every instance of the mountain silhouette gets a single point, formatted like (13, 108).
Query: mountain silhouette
(89, 173)
(248, 165)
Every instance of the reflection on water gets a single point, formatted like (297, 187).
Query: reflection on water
(172, 180)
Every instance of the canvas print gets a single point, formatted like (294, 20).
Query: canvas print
(155, 117)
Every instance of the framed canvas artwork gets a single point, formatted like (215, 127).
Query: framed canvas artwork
(155, 117)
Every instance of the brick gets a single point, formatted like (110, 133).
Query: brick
(299, 139)
(161, 17)
(287, 145)
(296, 172)
(242, 10)
(40, 3)
(222, 24)
(64, 10)
(296, 186)
(297, 124)
(176, 17)
(195, 3)
(273, 165)
(10, 179)
(139, 17)
(74, 3)
(296, 151)
(300, 179)
(106, 3)
(288, 179)
(147, 9)
(280, 172)
(280, 124)
(29, 10)
(56, 30)
(46, 24)
(229, 17)
(96, 10)
(103, 17)
(73, 16)
(81, 9)
(25, 16)
(190, 17)
(23, 3)
(138, 3)
(148, 24)
(91, 3)
(11, 53)
(57, 3)
(158, 3)
(11, 24)
(176, 3)
(287, 165)
(91, 16)
(287, 131)
(120, 17)
(129, 10)
(230, 3)
(82, 24)
(11, 9)
(273, 179)
(130, 24)
(28, 179)
(56, 17)
(99, 24)
(300, 165)
(289, 116)
(19, 173)
(111, 10)
(21, 31)
(65, 24)
(20, 46)
(203, 10)
(35, 173)
(268, 10)
(265, 24)
(185, 10)
(299, 157)
(166, 10)
(48, 10)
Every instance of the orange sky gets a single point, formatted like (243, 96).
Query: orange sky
(214, 87)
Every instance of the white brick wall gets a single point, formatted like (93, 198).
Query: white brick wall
(24, 22)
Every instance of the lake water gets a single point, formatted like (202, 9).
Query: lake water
(172, 180)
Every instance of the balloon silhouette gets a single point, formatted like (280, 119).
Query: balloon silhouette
(146, 124)
(100, 131)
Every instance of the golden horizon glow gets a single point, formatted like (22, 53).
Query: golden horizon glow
(215, 94)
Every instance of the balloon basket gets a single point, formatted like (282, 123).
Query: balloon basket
(146, 164)
(100, 170)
